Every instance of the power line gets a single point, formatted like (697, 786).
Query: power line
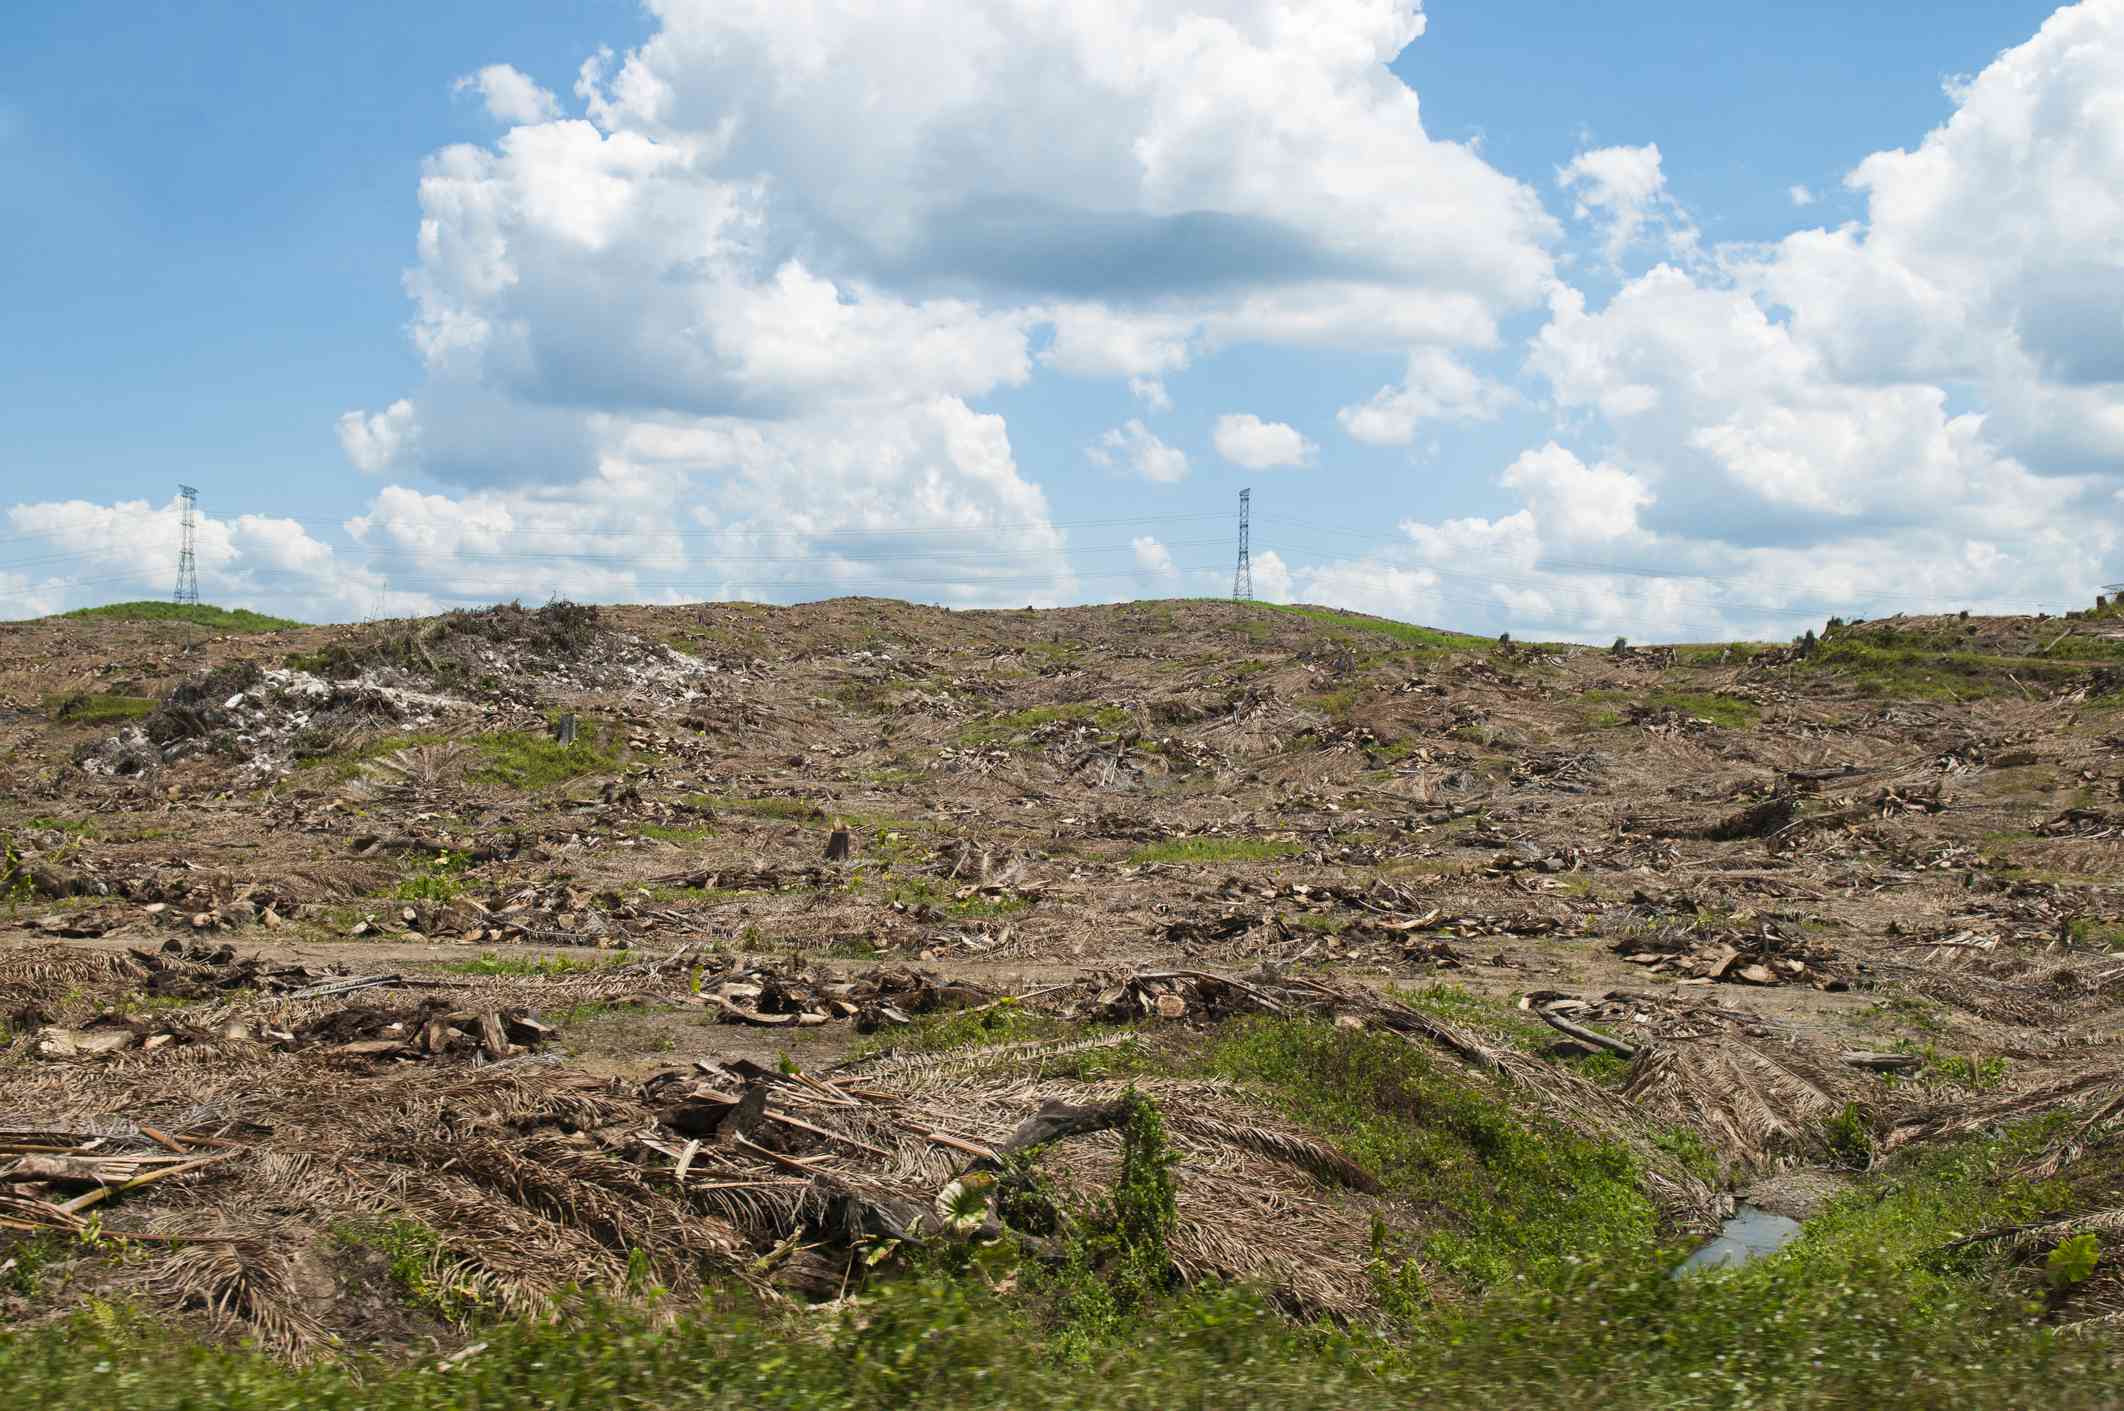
(571, 532)
(637, 560)
(1243, 575)
(467, 586)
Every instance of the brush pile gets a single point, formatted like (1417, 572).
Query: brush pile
(1730, 957)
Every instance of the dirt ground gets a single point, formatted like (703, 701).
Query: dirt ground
(1789, 855)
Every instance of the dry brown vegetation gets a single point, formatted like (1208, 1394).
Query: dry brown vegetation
(342, 938)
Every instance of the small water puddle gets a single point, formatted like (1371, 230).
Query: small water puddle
(1749, 1234)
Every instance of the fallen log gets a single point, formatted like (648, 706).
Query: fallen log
(1584, 1035)
(1883, 1062)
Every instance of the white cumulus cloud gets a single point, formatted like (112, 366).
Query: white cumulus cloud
(381, 442)
(511, 96)
(1625, 189)
(1437, 387)
(1246, 440)
(1154, 558)
(1134, 447)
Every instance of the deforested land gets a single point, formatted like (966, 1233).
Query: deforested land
(1163, 1004)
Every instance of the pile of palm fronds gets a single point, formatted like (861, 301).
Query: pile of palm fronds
(525, 1180)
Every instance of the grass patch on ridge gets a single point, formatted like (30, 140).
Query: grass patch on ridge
(196, 614)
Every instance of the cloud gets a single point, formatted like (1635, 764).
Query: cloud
(382, 442)
(1580, 503)
(737, 318)
(510, 95)
(1246, 440)
(1625, 189)
(1151, 392)
(1800, 195)
(918, 133)
(1272, 577)
(1744, 431)
(1989, 254)
(1154, 558)
(1437, 388)
(780, 213)
(1906, 411)
(1132, 446)
(97, 553)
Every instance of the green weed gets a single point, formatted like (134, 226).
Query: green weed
(1514, 1197)
(422, 1267)
(675, 835)
(1727, 712)
(543, 967)
(1216, 850)
(84, 708)
(999, 729)
(522, 760)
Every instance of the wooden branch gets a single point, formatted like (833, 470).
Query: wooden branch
(1585, 1035)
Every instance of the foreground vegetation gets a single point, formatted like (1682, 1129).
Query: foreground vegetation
(1544, 1283)
(1865, 1311)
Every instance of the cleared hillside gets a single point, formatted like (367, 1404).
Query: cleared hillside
(1257, 1005)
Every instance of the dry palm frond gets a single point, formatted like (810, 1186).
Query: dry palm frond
(2032, 998)
(242, 1283)
(1290, 1147)
(2047, 1234)
(2096, 1096)
(926, 1069)
(414, 767)
(1754, 1101)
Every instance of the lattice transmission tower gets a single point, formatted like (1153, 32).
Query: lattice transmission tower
(1243, 575)
(187, 567)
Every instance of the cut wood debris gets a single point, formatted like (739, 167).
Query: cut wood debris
(812, 928)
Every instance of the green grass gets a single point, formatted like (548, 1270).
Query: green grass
(1728, 712)
(2087, 930)
(522, 760)
(952, 1345)
(197, 614)
(1508, 1196)
(1216, 850)
(1538, 1278)
(675, 835)
(83, 708)
(420, 1265)
(539, 967)
(939, 897)
(1911, 666)
(998, 729)
(1493, 1018)
(72, 827)
(1406, 634)
(1005, 1023)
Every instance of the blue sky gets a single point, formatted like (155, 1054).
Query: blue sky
(960, 264)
